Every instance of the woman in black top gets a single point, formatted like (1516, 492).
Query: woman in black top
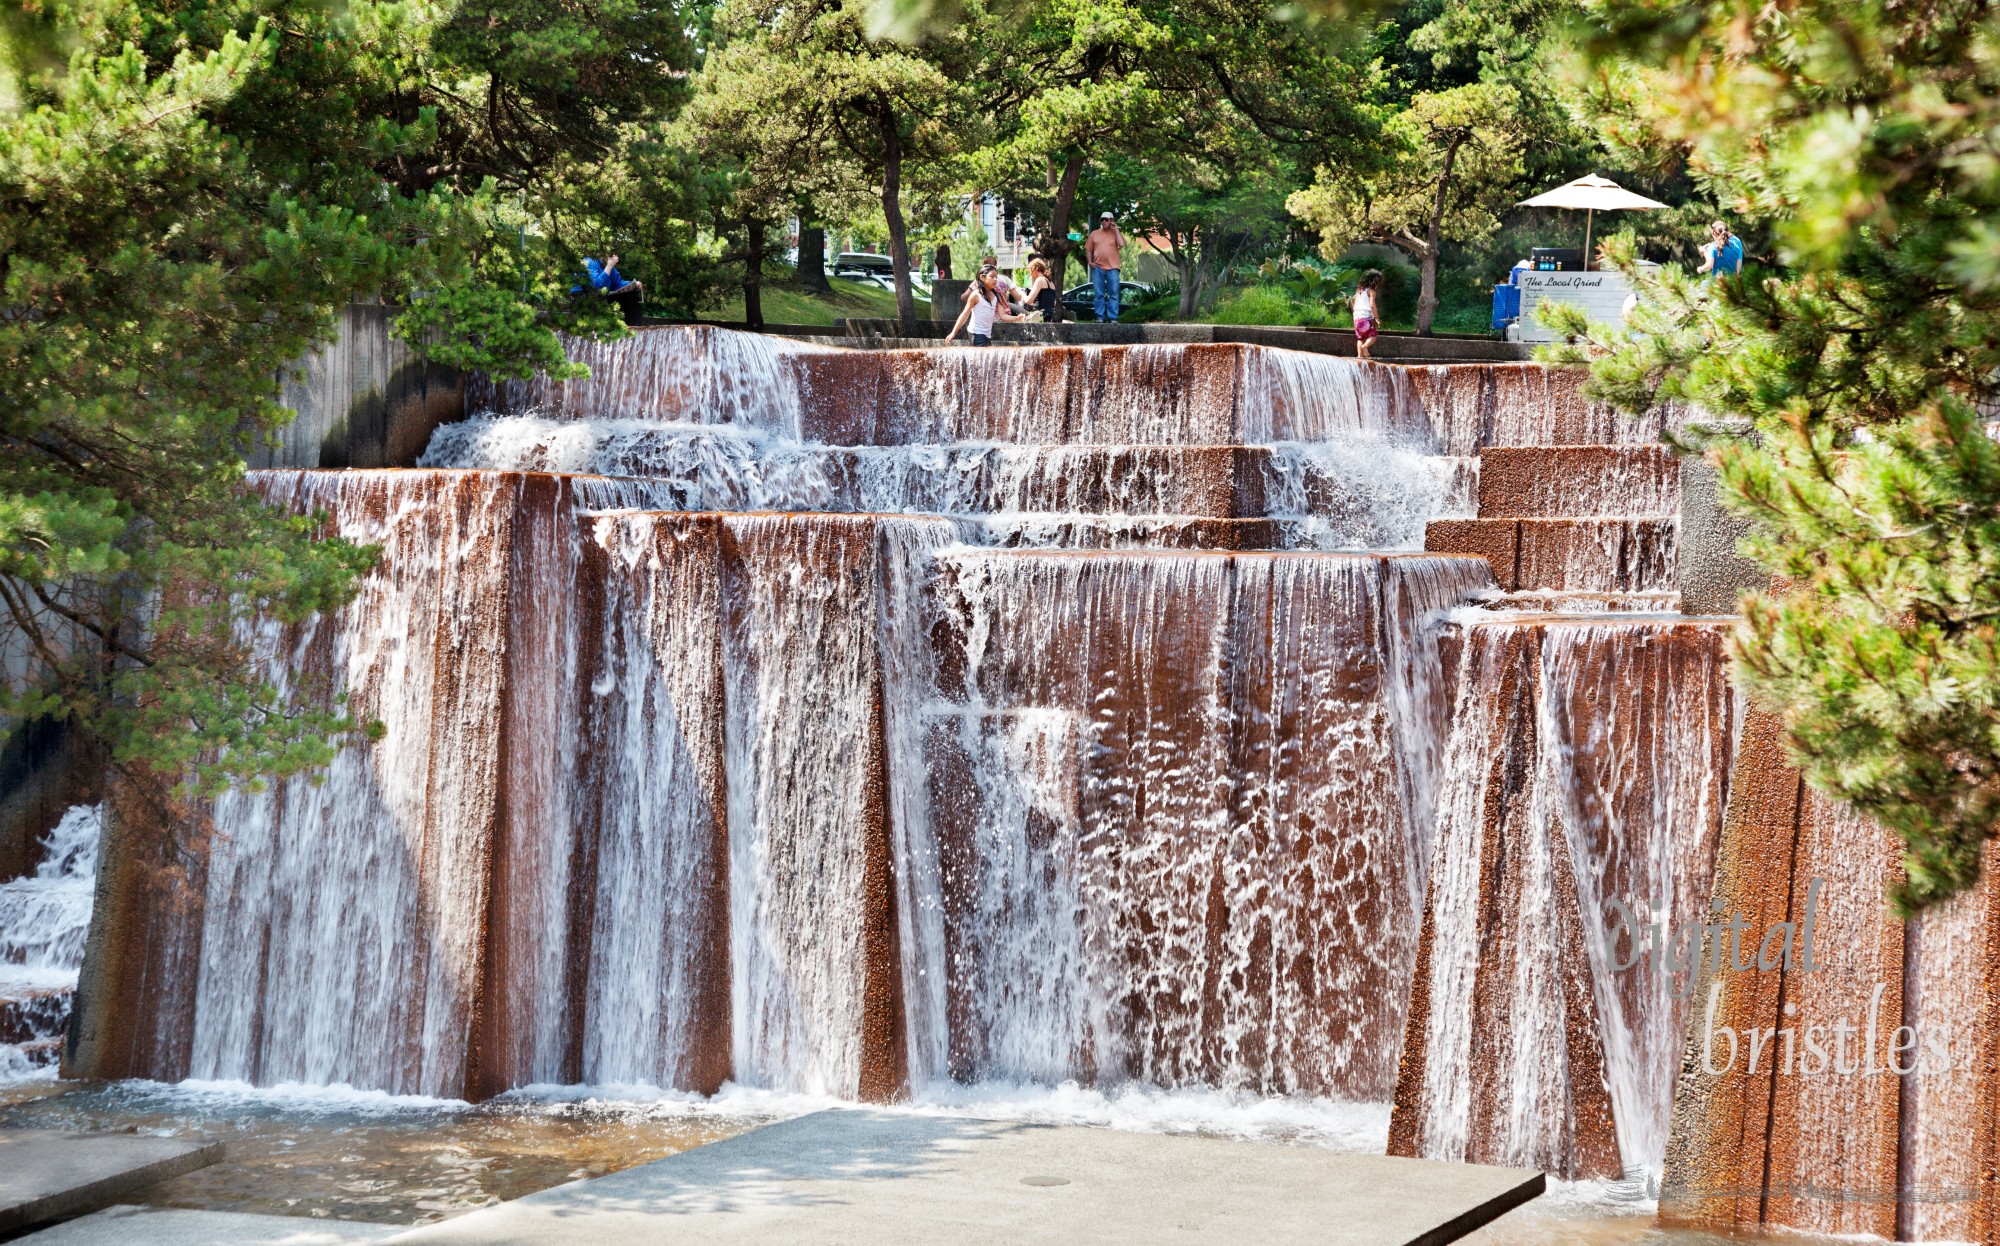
(1042, 293)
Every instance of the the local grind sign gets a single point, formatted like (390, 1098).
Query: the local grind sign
(1601, 295)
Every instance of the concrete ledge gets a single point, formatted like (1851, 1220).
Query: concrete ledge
(1390, 347)
(1578, 482)
(48, 1175)
(888, 1178)
(171, 1226)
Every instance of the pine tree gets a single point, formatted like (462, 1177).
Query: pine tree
(1844, 383)
(188, 193)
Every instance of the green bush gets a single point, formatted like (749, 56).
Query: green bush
(1164, 303)
(1269, 305)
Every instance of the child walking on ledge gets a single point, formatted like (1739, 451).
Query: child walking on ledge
(1367, 320)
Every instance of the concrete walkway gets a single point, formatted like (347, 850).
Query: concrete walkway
(46, 1174)
(884, 1178)
(171, 1226)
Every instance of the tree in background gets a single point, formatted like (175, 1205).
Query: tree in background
(188, 194)
(899, 112)
(1072, 84)
(1863, 133)
(1201, 193)
(769, 156)
(1452, 164)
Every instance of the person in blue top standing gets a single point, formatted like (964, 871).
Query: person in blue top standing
(1722, 254)
(609, 282)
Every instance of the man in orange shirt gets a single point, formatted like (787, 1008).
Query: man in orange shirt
(1100, 250)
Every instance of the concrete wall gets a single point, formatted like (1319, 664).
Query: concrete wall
(367, 399)
(1712, 572)
(1390, 347)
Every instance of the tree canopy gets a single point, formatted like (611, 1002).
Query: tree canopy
(188, 193)
(1845, 384)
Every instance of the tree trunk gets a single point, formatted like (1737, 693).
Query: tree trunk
(812, 257)
(1055, 244)
(892, 212)
(753, 273)
(1427, 299)
(1187, 262)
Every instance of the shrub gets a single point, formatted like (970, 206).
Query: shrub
(1269, 305)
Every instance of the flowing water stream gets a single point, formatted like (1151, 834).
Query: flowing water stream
(1075, 733)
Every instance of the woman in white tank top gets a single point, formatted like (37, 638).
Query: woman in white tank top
(983, 305)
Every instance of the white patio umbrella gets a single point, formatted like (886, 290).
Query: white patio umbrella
(1592, 194)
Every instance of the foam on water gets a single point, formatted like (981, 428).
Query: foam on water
(1357, 490)
(44, 921)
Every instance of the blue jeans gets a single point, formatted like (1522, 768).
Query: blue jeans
(1104, 292)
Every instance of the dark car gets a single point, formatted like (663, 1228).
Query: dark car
(1079, 302)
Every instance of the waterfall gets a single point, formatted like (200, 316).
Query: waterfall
(810, 796)
(693, 376)
(1144, 872)
(861, 724)
(1527, 404)
(1587, 764)
(44, 919)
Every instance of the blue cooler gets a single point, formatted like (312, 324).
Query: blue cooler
(1506, 304)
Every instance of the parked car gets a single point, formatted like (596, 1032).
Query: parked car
(862, 264)
(1079, 302)
(875, 270)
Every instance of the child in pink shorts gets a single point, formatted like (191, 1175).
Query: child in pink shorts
(1367, 320)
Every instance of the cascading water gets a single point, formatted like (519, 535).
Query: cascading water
(1360, 490)
(1586, 769)
(1054, 744)
(44, 919)
(689, 376)
(1183, 841)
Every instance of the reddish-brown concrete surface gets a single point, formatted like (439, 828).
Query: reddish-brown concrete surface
(1849, 1143)
(1578, 482)
(1498, 541)
(1587, 555)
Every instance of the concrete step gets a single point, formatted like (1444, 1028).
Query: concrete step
(174, 1226)
(1607, 555)
(46, 1174)
(885, 1178)
(1578, 482)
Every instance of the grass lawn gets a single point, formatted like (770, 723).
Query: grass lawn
(786, 303)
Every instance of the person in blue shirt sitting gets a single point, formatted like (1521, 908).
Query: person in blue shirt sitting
(608, 281)
(1722, 254)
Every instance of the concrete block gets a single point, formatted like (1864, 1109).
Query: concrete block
(852, 1176)
(174, 1226)
(1596, 555)
(1548, 482)
(46, 1174)
(1498, 541)
(1712, 573)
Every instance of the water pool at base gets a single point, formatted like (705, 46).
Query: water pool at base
(368, 1157)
